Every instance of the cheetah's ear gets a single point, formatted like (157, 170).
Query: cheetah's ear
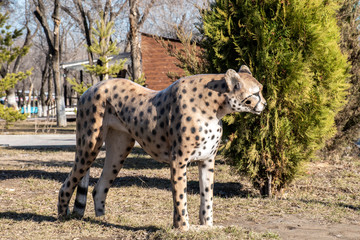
(245, 69)
(232, 79)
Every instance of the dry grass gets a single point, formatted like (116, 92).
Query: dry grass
(323, 204)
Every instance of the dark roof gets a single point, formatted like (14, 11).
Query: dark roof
(157, 36)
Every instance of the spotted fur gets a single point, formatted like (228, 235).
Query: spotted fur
(178, 125)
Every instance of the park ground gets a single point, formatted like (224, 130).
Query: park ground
(322, 203)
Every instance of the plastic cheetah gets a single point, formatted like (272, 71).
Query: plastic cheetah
(178, 125)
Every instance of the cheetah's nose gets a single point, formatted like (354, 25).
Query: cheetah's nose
(260, 107)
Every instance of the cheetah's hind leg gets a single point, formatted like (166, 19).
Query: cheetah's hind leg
(118, 146)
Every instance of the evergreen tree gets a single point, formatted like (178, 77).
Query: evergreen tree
(8, 54)
(103, 47)
(292, 47)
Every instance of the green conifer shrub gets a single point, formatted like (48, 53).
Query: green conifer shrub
(8, 54)
(104, 48)
(292, 48)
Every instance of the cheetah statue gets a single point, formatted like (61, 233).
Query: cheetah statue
(178, 125)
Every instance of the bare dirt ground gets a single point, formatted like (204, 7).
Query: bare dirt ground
(323, 203)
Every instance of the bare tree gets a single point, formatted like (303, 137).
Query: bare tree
(53, 40)
(184, 14)
(136, 21)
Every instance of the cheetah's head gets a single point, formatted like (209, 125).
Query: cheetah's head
(244, 91)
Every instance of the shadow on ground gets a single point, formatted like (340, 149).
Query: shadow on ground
(225, 190)
(339, 204)
(139, 160)
(43, 218)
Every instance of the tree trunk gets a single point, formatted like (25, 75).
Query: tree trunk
(106, 76)
(11, 98)
(28, 106)
(59, 98)
(139, 21)
(266, 189)
(134, 40)
(42, 102)
(49, 98)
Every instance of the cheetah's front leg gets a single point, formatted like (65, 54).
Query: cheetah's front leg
(179, 189)
(206, 181)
